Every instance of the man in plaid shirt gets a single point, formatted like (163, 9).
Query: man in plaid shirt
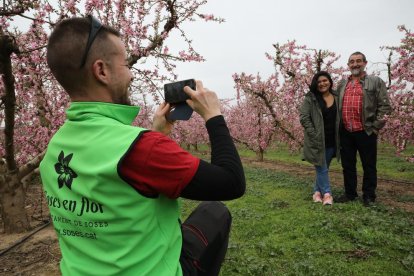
(363, 102)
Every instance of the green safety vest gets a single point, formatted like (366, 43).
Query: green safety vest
(104, 226)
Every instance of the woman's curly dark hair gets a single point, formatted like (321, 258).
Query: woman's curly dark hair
(314, 87)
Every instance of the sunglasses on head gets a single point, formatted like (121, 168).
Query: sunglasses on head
(95, 27)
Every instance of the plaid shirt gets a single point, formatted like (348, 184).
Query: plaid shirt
(352, 106)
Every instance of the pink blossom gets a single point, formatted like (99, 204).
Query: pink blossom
(41, 101)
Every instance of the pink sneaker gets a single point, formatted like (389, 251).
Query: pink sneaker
(317, 197)
(327, 199)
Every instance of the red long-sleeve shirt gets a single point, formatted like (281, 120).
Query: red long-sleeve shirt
(155, 165)
(352, 106)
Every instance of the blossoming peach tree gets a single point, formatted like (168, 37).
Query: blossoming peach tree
(250, 124)
(32, 103)
(399, 129)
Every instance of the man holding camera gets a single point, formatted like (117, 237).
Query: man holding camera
(112, 188)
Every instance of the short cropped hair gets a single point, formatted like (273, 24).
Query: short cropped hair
(359, 53)
(66, 47)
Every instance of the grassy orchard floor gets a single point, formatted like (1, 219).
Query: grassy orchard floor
(277, 230)
(388, 164)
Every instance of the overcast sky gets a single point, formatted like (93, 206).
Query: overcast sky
(251, 27)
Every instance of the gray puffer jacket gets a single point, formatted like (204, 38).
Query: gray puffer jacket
(311, 119)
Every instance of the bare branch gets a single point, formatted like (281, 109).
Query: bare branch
(158, 39)
(13, 7)
(32, 50)
(244, 143)
(11, 12)
(30, 166)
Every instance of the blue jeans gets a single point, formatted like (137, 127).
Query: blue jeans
(322, 184)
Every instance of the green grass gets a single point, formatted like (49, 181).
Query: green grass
(389, 165)
(278, 230)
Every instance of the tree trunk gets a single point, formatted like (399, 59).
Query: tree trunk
(259, 155)
(12, 204)
(12, 194)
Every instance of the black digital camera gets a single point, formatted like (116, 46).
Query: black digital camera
(174, 92)
(174, 95)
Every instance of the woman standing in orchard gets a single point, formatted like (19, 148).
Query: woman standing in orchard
(320, 120)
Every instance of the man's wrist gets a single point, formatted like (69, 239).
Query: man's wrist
(211, 115)
(216, 126)
(214, 120)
